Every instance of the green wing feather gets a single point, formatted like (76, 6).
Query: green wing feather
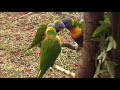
(38, 36)
(76, 23)
(50, 50)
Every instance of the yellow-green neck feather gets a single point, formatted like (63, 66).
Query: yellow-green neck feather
(73, 22)
(50, 28)
(55, 21)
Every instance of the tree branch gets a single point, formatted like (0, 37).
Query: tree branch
(63, 70)
(23, 16)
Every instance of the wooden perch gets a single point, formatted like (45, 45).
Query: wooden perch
(23, 16)
(63, 70)
(70, 46)
(26, 14)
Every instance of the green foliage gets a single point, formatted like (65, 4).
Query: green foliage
(110, 65)
(108, 16)
(102, 55)
(112, 43)
(102, 29)
(105, 43)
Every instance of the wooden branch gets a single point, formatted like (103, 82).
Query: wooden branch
(70, 46)
(23, 16)
(26, 14)
(63, 70)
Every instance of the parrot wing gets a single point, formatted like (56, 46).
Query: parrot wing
(76, 23)
(38, 37)
(50, 49)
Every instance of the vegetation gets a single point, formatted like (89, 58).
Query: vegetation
(98, 58)
(16, 33)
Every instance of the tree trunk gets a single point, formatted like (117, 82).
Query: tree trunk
(116, 35)
(86, 67)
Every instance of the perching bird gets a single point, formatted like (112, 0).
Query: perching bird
(76, 30)
(50, 49)
(59, 25)
(40, 35)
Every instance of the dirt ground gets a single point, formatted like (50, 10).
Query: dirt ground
(16, 33)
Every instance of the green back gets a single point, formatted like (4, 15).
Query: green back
(76, 23)
(50, 50)
(38, 36)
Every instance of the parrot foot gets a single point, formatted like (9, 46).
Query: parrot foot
(71, 46)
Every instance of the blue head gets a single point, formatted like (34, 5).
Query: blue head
(67, 22)
(59, 25)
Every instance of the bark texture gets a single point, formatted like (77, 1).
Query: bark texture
(116, 34)
(86, 67)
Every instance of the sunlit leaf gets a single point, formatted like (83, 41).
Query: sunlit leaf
(112, 44)
(102, 55)
(113, 41)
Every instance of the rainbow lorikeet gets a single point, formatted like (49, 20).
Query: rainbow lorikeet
(75, 28)
(40, 35)
(50, 49)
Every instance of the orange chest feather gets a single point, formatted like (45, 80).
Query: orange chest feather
(43, 37)
(75, 32)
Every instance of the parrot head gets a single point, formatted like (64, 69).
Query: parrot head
(59, 25)
(50, 31)
(51, 25)
(68, 22)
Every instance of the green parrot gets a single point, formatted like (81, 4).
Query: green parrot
(50, 49)
(75, 28)
(40, 35)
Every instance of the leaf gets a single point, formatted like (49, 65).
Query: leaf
(113, 41)
(108, 16)
(97, 69)
(103, 41)
(110, 65)
(101, 22)
(102, 55)
(101, 29)
(112, 44)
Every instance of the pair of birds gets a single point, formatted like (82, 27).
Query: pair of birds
(49, 42)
